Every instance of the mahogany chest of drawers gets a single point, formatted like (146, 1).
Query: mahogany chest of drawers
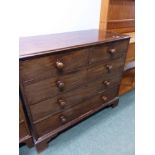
(67, 77)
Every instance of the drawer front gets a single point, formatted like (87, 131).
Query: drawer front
(108, 51)
(66, 100)
(107, 81)
(48, 88)
(61, 102)
(102, 69)
(40, 68)
(68, 115)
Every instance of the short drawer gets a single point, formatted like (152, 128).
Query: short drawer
(68, 115)
(109, 51)
(48, 88)
(39, 68)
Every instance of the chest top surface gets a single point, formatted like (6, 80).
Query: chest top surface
(44, 44)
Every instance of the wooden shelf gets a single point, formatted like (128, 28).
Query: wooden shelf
(119, 16)
(131, 49)
(128, 82)
(125, 89)
(129, 66)
(120, 23)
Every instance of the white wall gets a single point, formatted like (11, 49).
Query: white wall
(53, 16)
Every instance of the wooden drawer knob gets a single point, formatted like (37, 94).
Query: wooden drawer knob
(59, 65)
(104, 98)
(109, 67)
(62, 103)
(112, 51)
(63, 119)
(60, 85)
(107, 83)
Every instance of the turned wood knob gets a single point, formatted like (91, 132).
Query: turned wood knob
(112, 51)
(63, 119)
(59, 65)
(104, 98)
(109, 67)
(60, 85)
(62, 103)
(107, 83)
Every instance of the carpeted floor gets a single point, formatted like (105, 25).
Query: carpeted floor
(109, 132)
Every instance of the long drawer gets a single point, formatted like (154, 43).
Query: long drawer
(71, 98)
(58, 120)
(48, 88)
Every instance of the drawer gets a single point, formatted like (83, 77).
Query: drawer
(22, 130)
(109, 51)
(71, 98)
(100, 70)
(68, 115)
(48, 88)
(61, 102)
(40, 68)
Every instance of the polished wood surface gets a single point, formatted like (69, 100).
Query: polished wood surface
(62, 86)
(118, 24)
(117, 15)
(104, 15)
(121, 14)
(44, 89)
(121, 9)
(128, 81)
(38, 45)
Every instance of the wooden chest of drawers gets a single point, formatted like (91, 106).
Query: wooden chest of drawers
(65, 78)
